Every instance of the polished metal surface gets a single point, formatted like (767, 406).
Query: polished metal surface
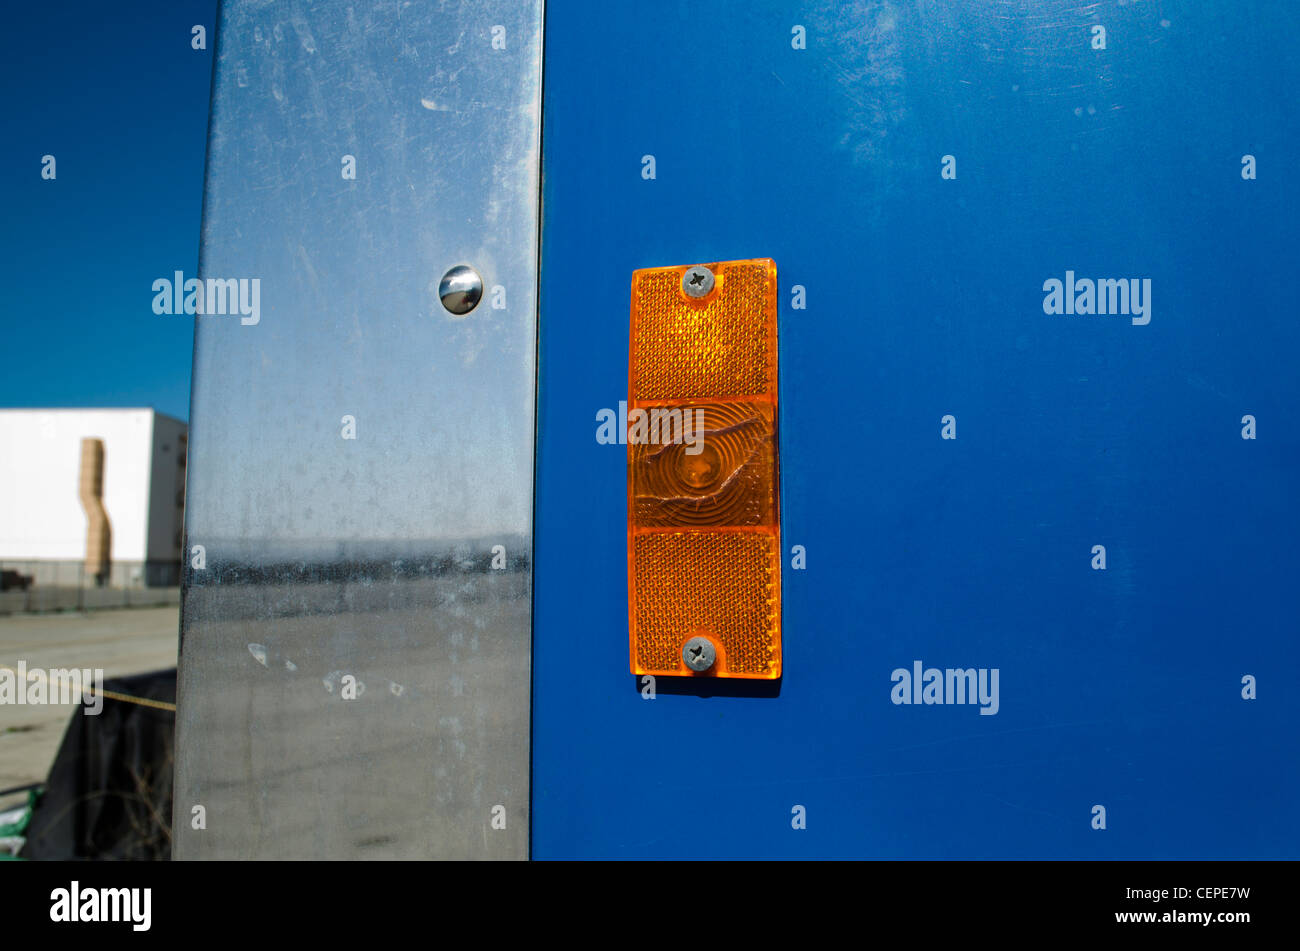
(354, 673)
(460, 290)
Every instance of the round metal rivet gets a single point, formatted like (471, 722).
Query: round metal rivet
(460, 290)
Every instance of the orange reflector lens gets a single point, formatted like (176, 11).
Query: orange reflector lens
(703, 499)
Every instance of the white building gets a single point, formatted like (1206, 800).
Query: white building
(43, 519)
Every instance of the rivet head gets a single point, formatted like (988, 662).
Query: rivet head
(460, 290)
(697, 281)
(699, 653)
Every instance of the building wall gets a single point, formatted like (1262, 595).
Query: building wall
(42, 523)
(166, 501)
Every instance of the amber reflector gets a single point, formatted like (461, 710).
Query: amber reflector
(703, 498)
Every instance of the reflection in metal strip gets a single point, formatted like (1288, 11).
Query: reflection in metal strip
(354, 675)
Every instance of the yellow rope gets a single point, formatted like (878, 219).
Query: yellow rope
(111, 694)
(142, 701)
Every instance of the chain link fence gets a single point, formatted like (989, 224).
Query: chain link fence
(42, 586)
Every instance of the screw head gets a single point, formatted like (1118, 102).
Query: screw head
(460, 290)
(697, 281)
(699, 653)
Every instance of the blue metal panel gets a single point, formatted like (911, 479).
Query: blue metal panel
(1119, 687)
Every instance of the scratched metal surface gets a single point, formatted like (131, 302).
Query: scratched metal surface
(370, 557)
(1119, 687)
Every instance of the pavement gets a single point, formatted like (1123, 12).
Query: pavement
(121, 642)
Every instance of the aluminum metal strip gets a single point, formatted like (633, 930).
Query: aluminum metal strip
(355, 652)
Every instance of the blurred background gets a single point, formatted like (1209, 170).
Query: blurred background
(102, 175)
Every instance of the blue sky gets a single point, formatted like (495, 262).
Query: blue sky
(118, 96)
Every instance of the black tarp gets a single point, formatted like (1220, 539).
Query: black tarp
(109, 794)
